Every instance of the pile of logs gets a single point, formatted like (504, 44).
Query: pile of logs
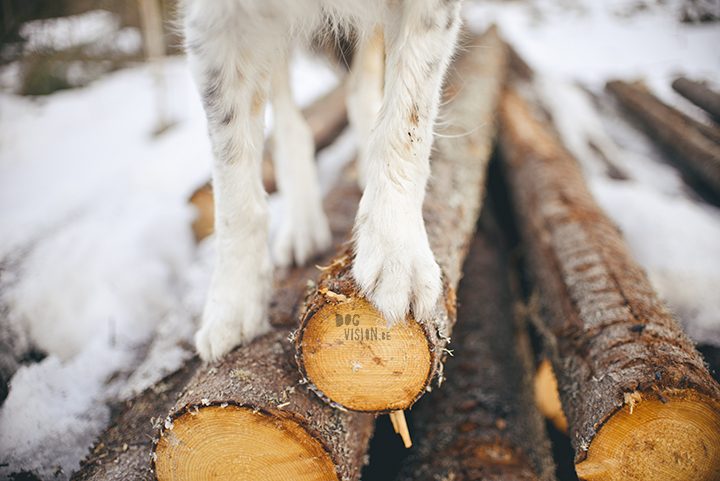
(637, 401)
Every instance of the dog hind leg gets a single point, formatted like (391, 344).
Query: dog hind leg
(233, 77)
(365, 94)
(304, 229)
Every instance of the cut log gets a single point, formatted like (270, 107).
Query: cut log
(483, 423)
(327, 117)
(693, 145)
(343, 347)
(250, 417)
(547, 397)
(700, 95)
(639, 401)
(259, 393)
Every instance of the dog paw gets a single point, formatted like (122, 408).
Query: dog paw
(396, 269)
(228, 324)
(303, 233)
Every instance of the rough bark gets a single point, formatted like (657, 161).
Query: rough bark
(639, 401)
(483, 423)
(700, 95)
(263, 378)
(693, 145)
(342, 347)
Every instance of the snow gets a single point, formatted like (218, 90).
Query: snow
(98, 265)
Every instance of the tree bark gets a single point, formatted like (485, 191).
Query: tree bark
(700, 95)
(639, 401)
(349, 358)
(483, 423)
(693, 145)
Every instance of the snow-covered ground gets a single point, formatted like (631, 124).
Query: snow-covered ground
(98, 266)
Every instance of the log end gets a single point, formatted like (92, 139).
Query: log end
(353, 360)
(204, 223)
(234, 442)
(673, 436)
(547, 397)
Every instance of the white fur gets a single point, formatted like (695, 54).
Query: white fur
(237, 48)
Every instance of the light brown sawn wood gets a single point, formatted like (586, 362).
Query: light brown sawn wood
(639, 401)
(263, 378)
(123, 451)
(693, 145)
(343, 347)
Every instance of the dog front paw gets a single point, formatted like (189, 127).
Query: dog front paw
(397, 271)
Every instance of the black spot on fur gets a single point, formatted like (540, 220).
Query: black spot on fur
(229, 117)
(212, 91)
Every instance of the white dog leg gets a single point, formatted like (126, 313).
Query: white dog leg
(365, 94)
(233, 77)
(394, 265)
(304, 230)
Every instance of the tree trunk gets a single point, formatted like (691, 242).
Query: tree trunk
(151, 21)
(638, 399)
(349, 358)
(700, 95)
(693, 145)
(483, 423)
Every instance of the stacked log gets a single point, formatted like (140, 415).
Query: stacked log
(343, 347)
(125, 450)
(695, 146)
(482, 423)
(639, 401)
(700, 95)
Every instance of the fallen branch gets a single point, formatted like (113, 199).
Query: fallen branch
(483, 423)
(638, 399)
(693, 145)
(700, 95)
(343, 347)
